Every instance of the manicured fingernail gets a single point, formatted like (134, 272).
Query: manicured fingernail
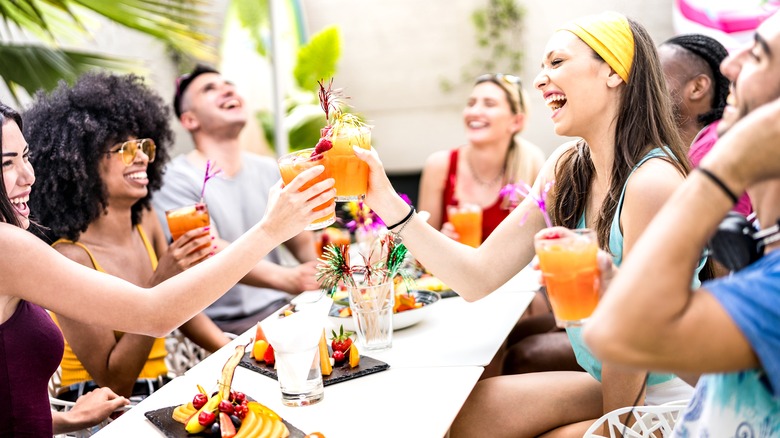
(212, 237)
(206, 228)
(211, 254)
(214, 247)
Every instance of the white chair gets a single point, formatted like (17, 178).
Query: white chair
(650, 421)
(183, 354)
(55, 382)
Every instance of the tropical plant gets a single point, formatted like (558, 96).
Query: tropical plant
(499, 29)
(315, 61)
(53, 23)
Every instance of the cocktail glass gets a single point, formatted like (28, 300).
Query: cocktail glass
(372, 313)
(183, 219)
(567, 259)
(349, 171)
(295, 340)
(330, 236)
(467, 220)
(292, 164)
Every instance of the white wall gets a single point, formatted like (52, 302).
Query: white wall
(394, 54)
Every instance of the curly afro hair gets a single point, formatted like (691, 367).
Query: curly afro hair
(71, 129)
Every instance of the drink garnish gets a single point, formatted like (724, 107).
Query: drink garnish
(511, 194)
(211, 172)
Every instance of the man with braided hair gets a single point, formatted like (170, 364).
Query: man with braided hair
(691, 65)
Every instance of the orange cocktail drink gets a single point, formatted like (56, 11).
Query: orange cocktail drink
(568, 263)
(349, 171)
(467, 220)
(331, 236)
(183, 219)
(292, 164)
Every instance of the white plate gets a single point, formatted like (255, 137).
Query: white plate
(401, 320)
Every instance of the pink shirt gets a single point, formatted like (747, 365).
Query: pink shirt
(701, 145)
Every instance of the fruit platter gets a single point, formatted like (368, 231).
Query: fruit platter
(410, 308)
(339, 358)
(224, 412)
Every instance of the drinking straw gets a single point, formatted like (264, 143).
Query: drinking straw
(512, 191)
(207, 176)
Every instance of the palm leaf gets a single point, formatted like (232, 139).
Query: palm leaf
(34, 67)
(182, 24)
(317, 59)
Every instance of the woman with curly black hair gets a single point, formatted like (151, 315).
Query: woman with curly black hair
(99, 150)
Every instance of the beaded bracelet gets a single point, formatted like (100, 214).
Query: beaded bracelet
(734, 198)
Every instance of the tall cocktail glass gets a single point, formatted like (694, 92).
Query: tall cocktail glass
(567, 259)
(292, 164)
(349, 171)
(467, 220)
(183, 219)
(295, 340)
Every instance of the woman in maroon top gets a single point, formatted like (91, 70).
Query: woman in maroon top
(36, 277)
(493, 156)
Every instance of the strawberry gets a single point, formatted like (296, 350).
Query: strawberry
(342, 341)
(552, 234)
(323, 145)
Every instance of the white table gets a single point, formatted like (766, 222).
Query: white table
(433, 367)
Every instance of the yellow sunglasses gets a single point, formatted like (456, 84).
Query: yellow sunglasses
(129, 149)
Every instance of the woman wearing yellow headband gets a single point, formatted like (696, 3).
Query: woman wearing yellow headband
(603, 82)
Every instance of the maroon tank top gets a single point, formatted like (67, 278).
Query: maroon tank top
(491, 216)
(31, 348)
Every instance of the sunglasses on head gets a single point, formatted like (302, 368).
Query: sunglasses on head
(514, 81)
(129, 149)
(509, 79)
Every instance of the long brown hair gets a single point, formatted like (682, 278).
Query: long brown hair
(7, 212)
(645, 120)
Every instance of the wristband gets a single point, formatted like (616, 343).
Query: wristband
(734, 198)
(402, 221)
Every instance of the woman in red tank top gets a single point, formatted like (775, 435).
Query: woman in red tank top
(493, 157)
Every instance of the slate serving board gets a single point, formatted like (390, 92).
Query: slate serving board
(163, 420)
(341, 373)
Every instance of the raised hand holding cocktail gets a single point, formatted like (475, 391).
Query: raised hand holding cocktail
(291, 165)
(568, 261)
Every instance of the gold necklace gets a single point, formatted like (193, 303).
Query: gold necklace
(479, 181)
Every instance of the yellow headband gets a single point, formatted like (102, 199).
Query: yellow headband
(609, 35)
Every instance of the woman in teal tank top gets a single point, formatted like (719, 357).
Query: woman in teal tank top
(601, 78)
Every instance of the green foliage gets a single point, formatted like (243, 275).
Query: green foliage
(254, 16)
(499, 29)
(317, 59)
(178, 23)
(34, 67)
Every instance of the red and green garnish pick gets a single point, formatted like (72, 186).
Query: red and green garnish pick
(335, 268)
(511, 194)
(329, 100)
(211, 172)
